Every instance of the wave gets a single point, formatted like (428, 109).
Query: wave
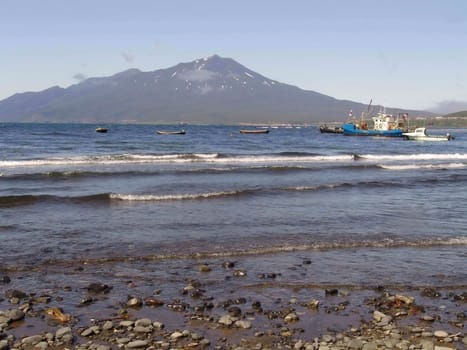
(172, 197)
(27, 199)
(412, 157)
(423, 166)
(175, 158)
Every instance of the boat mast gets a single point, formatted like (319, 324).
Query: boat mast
(365, 115)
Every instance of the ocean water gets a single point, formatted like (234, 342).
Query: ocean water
(364, 210)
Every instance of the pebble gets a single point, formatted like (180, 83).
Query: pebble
(226, 320)
(143, 322)
(441, 334)
(4, 345)
(108, 325)
(291, 317)
(137, 344)
(31, 340)
(62, 332)
(90, 331)
(243, 324)
(176, 335)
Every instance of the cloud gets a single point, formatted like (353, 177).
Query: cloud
(450, 106)
(79, 77)
(197, 75)
(127, 57)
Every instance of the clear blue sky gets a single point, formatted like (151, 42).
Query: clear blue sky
(400, 53)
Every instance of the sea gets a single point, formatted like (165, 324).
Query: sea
(292, 204)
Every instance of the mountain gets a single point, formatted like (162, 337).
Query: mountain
(210, 90)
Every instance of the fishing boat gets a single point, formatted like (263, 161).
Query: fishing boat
(254, 131)
(331, 130)
(101, 130)
(420, 134)
(383, 124)
(178, 132)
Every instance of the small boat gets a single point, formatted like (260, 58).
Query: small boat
(331, 130)
(178, 132)
(420, 134)
(101, 130)
(254, 131)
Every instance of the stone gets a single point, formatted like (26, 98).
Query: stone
(108, 325)
(370, 346)
(62, 332)
(355, 344)
(32, 340)
(4, 345)
(127, 323)
(134, 302)
(226, 320)
(135, 344)
(158, 325)
(204, 268)
(427, 345)
(176, 335)
(99, 288)
(141, 329)
(243, 324)
(291, 317)
(90, 331)
(441, 334)
(143, 322)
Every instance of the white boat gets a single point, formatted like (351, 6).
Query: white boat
(420, 134)
(178, 132)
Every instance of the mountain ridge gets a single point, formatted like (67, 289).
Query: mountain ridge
(207, 90)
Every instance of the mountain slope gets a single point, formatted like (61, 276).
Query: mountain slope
(212, 90)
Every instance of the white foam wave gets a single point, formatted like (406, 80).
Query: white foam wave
(421, 156)
(169, 158)
(169, 197)
(423, 166)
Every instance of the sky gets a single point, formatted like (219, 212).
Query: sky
(400, 53)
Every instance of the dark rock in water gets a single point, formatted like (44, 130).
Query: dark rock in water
(5, 279)
(256, 305)
(228, 264)
(331, 292)
(153, 302)
(86, 300)
(240, 300)
(99, 288)
(14, 293)
(430, 292)
(306, 262)
(234, 311)
(460, 297)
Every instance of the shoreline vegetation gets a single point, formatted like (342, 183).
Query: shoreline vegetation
(87, 310)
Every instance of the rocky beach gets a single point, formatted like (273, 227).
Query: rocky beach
(218, 304)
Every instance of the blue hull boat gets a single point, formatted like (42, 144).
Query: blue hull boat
(385, 125)
(351, 129)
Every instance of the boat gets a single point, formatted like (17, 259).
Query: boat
(331, 130)
(254, 131)
(386, 125)
(101, 130)
(178, 132)
(420, 134)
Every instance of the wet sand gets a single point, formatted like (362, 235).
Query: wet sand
(219, 304)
